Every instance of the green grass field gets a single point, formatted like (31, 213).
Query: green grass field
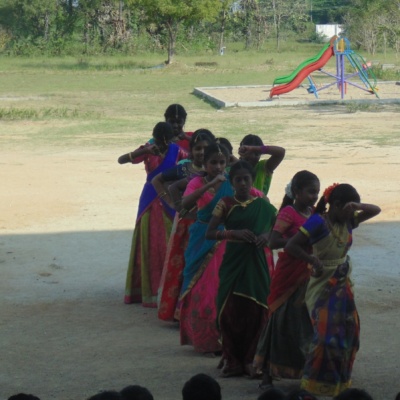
(117, 100)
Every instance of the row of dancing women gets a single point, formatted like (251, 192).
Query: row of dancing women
(202, 254)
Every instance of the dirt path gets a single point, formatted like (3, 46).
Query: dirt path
(66, 220)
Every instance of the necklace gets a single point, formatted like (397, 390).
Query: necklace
(337, 236)
(195, 167)
(245, 203)
(211, 189)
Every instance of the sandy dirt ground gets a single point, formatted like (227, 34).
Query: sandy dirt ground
(66, 220)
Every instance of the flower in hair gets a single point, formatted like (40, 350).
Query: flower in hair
(328, 192)
(288, 190)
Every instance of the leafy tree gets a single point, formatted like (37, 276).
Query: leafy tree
(32, 18)
(368, 23)
(286, 12)
(329, 11)
(172, 13)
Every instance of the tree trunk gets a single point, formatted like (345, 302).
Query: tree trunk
(248, 37)
(70, 7)
(221, 37)
(172, 27)
(121, 7)
(276, 24)
(46, 26)
(86, 33)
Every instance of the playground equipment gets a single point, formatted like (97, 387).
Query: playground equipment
(340, 47)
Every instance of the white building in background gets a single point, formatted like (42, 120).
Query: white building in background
(328, 30)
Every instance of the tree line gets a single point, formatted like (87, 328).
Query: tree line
(56, 27)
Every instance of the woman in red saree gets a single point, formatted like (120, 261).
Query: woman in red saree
(203, 257)
(282, 345)
(171, 278)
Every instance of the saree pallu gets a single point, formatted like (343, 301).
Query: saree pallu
(244, 285)
(150, 238)
(336, 324)
(283, 343)
(262, 181)
(171, 278)
(203, 258)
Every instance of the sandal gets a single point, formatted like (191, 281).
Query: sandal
(235, 371)
(266, 382)
(252, 372)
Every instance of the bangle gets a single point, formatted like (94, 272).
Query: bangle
(225, 235)
(130, 156)
(161, 195)
(264, 149)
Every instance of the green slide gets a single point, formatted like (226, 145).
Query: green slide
(357, 62)
(288, 78)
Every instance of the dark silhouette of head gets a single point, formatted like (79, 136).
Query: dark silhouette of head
(201, 387)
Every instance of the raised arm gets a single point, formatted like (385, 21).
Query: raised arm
(129, 157)
(189, 201)
(365, 211)
(277, 155)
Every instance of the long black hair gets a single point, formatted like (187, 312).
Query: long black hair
(200, 135)
(215, 148)
(241, 164)
(175, 111)
(299, 181)
(340, 194)
(251, 140)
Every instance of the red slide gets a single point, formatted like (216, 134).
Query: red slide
(280, 89)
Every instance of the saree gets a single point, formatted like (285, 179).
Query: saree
(332, 309)
(283, 343)
(244, 282)
(150, 237)
(171, 278)
(262, 181)
(200, 277)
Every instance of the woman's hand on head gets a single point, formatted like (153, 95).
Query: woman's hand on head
(243, 150)
(351, 206)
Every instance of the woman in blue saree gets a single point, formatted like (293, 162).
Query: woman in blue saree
(154, 218)
(203, 257)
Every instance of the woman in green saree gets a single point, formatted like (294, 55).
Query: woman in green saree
(243, 274)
